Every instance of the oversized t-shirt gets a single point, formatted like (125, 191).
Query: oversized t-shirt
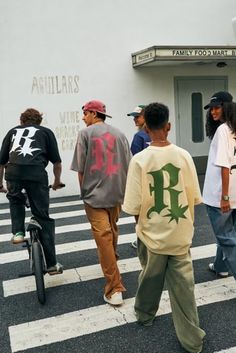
(102, 154)
(162, 188)
(26, 151)
(222, 154)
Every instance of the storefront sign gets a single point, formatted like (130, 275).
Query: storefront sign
(183, 54)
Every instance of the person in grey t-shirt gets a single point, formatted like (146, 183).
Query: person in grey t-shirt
(101, 158)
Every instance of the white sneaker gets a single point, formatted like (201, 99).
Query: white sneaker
(220, 274)
(55, 270)
(18, 238)
(115, 299)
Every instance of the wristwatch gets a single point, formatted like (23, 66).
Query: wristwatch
(225, 197)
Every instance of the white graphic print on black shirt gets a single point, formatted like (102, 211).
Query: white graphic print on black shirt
(22, 143)
(26, 151)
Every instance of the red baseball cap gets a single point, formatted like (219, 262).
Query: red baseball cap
(96, 106)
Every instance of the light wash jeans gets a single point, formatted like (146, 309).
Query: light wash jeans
(224, 227)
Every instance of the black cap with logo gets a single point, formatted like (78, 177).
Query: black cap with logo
(219, 98)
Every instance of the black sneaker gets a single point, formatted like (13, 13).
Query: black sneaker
(146, 323)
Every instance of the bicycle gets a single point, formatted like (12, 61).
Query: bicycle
(38, 265)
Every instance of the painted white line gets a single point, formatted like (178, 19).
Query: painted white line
(87, 273)
(79, 274)
(61, 215)
(64, 248)
(71, 228)
(94, 319)
(229, 350)
(5, 211)
(52, 205)
(66, 203)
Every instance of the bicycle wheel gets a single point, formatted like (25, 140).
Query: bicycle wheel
(38, 271)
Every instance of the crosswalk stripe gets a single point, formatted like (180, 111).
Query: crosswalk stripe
(87, 273)
(64, 248)
(94, 319)
(61, 215)
(14, 256)
(71, 228)
(230, 350)
(74, 324)
(79, 274)
(52, 205)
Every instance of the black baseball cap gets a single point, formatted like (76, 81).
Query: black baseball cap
(219, 98)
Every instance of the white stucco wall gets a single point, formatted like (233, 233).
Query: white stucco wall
(87, 45)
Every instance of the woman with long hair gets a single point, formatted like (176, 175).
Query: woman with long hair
(219, 191)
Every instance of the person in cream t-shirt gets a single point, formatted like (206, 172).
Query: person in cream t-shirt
(161, 191)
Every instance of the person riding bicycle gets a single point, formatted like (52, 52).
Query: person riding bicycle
(24, 156)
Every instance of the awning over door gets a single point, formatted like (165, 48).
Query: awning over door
(174, 55)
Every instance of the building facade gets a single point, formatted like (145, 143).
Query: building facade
(56, 55)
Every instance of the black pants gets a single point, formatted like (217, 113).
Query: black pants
(38, 196)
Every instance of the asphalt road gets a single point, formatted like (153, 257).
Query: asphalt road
(75, 318)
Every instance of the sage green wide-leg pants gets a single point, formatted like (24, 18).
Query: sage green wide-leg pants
(177, 271)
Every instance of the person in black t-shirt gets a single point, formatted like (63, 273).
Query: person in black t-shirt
(25, 153)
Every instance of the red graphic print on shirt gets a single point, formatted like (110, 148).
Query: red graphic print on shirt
(103, 153)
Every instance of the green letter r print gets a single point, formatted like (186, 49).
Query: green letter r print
(176, 211)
